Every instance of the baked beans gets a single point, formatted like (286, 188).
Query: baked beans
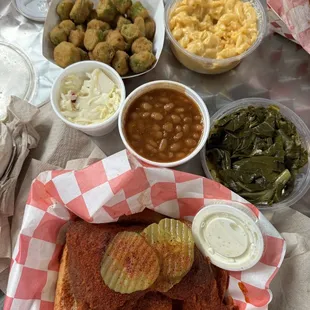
(163, 125)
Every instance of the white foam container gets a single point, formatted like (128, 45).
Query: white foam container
(106, 126)
(228, 236)
(155, 8)
(163, 84)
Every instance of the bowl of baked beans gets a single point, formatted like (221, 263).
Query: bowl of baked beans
(164, 123)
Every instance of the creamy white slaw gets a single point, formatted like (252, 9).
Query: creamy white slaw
(91, 100)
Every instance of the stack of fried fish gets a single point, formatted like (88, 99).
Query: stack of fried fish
(80, 284)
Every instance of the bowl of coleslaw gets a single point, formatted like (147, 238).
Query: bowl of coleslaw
(87, 96)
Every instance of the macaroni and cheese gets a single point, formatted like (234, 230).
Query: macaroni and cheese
(214, 28)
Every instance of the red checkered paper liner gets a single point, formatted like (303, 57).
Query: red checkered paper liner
(101, 193)
(295, 14)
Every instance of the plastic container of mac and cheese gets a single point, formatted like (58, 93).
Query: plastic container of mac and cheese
(210, 65)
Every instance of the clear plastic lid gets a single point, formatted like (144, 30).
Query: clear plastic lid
(228, 236)
(17, 76)
(33, 9)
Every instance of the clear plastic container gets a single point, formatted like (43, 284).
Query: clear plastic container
(209, 65)
(17, 76)
(302, 182)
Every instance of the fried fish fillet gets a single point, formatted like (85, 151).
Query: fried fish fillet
(81, 287)
(86, 244)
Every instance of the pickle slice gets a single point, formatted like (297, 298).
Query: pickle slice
(129, 264)
(174, 245)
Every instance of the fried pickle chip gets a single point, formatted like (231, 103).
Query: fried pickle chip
(174, 245)
(129, 264)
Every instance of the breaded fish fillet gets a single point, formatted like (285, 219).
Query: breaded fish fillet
(86, 244)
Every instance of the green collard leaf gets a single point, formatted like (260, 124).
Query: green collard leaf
(257, 153)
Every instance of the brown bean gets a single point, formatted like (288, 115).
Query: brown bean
(187, 120)
(165, 134)
(179, 110)
(152, 142)
(158, 105)
(140, 125)
(196, 136)
(136, 137)
(145, 114)
(163, 145)
(186, 128)
(168, 126)
(156, 127)
(169, 106)
(157, 135)
(190, 142)
(151, 148)
(175, 147)
(157, 116)
(164, 99)
(163, 156)
(146, 106)
(175, 118)
(182, 115)
(197, 117)
(134, 115)
(178, 128)
(170, 155)
(197, 127)
(131, 127)
(178, 136)
(180, 155)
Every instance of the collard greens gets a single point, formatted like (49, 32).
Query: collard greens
(256, 153)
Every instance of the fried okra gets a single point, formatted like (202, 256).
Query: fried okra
(58, 35)
(150, 28)
(120, 62)
(64, 8)
(93, 15)
(139, 22)
(67, 25)
(106, 10)
(103, 52)
(121, 21)
(137, 9)
(92, 38)
(115, 39)
(81, 11)
(142, 44)
(84, 55)
(98, 24)
(81, 28)
(130, 32)
(66, 54)
(122, 5)
(76, 37)
(141, 61)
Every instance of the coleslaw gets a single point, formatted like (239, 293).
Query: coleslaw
(89, 100)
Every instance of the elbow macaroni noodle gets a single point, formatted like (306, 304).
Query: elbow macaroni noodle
(214, 28)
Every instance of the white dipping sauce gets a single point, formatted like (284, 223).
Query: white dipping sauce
(228, 236)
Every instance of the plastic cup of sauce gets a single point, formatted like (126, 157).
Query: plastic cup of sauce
(228, 236)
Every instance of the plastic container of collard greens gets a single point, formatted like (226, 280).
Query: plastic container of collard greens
(302, 179)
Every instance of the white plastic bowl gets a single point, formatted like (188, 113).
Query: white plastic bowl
(99, 129)
(209, 65)
(302, 182)
(163, 84)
